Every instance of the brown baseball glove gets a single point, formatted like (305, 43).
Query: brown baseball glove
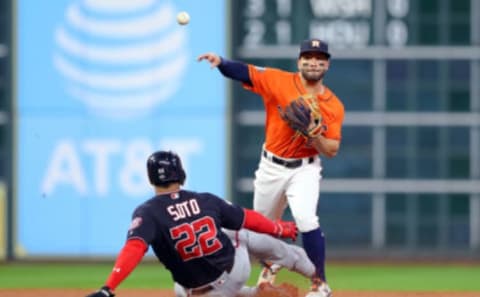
(283, 290)
(303, 115)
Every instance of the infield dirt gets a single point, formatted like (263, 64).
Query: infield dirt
(169, 293)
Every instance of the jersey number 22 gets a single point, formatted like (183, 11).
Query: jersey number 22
(196, 239)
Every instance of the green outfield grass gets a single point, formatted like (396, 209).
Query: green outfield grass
(341, 276)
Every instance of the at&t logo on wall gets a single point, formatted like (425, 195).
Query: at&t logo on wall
(120, 57)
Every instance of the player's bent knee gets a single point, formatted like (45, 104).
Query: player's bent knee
(179, 290)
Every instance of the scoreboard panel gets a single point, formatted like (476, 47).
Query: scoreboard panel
(407, 72)
(351, 24)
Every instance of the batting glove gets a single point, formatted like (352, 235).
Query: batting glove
(103, 292)
(286, 229)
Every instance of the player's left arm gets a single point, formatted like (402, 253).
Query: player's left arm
(235, 217)
(325, 146)
(327, 142)
(257, 222)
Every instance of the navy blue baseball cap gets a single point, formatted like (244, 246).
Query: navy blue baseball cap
(314, 46)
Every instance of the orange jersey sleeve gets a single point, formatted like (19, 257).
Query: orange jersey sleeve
(277, 89)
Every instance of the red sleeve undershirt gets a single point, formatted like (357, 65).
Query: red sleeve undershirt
(255, 221)
(129, 257)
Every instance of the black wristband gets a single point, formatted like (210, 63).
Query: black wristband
(105, 290)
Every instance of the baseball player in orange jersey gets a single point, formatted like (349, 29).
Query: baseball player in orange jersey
(289, 170)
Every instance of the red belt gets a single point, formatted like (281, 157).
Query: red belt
(201, 290)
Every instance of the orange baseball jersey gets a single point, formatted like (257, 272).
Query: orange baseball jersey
(279, 88)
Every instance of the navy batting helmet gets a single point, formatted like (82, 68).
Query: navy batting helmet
(165, 167)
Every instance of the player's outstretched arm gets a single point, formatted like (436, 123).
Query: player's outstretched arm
(232, 69)
(257, 222)
(129, 257)
(211, 58)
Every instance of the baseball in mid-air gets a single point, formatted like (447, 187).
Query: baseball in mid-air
(183, 18)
